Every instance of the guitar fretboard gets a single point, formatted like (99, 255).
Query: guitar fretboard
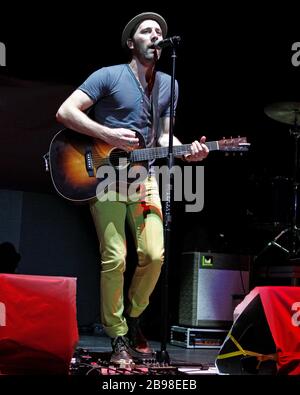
(162, 152)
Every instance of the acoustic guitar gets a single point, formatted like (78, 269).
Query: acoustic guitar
(75, 160)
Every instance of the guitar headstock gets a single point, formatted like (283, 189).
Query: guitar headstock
(238, 144)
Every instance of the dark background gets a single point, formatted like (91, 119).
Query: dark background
(232, 62)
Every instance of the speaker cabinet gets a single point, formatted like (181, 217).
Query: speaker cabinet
(264, 338)
(38, 325)
(212, 284)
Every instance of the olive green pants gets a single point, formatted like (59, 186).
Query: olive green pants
(144, 217)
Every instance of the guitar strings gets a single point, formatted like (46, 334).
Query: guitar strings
(142, 154)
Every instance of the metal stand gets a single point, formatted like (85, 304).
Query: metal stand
(162, 355)
(292, 231)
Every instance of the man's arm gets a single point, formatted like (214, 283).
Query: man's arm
(199, 149)
(71, 114)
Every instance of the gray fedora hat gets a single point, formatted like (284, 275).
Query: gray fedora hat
(134, 22)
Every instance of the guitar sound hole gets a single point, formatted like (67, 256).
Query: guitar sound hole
(119, 158)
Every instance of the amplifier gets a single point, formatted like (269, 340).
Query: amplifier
(212, 284)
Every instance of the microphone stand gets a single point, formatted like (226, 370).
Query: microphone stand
(162, 355)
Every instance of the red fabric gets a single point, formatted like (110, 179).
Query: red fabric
(38, 326)
(282, 309)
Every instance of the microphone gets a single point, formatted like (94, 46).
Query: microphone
(170, 41)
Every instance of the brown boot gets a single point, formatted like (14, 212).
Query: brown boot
(121, 351)
(135, 336)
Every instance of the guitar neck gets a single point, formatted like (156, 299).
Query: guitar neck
(162, 152)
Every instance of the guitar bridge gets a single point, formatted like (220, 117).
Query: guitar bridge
(89, 165)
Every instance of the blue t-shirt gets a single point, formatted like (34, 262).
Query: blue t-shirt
(120, 100)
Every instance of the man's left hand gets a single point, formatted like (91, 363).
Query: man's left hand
(199, 151)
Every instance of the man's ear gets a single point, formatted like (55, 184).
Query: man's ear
(130, 43)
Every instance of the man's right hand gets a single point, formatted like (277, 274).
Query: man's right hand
(122, 138)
